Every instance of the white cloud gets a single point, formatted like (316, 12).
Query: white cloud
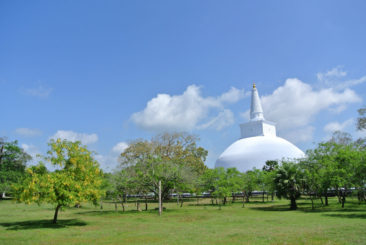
(223, 119)
(337, 126)
(336, 79)
(33, 151)
(28, 132)
(74, 136)
(232, 96)
(186, 111)
(332, 75)
(40, 91)
(30, 149)
(119, 147)
(295, 104)
(109, 162)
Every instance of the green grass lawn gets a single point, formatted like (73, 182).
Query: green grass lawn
(257, 223)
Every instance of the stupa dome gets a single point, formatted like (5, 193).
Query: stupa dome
(258, 143)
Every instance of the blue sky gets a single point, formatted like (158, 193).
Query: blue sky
(108, 72)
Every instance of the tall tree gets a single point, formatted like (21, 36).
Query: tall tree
(76, 180)
(172, 158)
(13, 161)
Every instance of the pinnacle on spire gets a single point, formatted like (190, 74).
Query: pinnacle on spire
(256, 111)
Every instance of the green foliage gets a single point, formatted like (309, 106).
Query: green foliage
(248, 183)
(172, 158)
(221, 183)
(338, 164)
(76, 180)
(361, 120)
(289, 182)
(12, 164)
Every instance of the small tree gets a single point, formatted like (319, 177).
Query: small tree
(76, 180)
(288, 182)
(12, 164)
(248, 184)
(269, 170)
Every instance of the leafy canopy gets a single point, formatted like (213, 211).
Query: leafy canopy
(77, 178)
(12, 164)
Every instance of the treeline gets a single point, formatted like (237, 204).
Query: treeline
(335, 167)
(172, 164)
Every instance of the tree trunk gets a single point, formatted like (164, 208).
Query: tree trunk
(56, 213)
(272, 195)
(343, 197)
(177, 199)
(160, 207)
(181, 202)
(138, 206)
(101, 203)
(115, 204)
(321, 200)
(339, 196)
(122, 204)
(312, 203)
(243, 200)
(326, 199)
(145, 203)
(293, 204)
(262, 196)
(224, 201)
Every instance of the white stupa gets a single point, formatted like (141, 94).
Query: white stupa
(258, 143)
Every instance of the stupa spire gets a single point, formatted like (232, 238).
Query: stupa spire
(256, 111)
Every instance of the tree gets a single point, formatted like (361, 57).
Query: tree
(338, 164)
(172, 158)
(289, 182)
(208, 181)
(226, 183)
(171, 174)
(248, 184)
(13, 161)
(76, 180)
(312, 176)
(269, 176)
(361, 120)
(270, 165)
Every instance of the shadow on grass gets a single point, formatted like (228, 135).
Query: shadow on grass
(305, 207)
(272, 208)
(38, 224)
(351, 216)
(119, 212)
(228, 204)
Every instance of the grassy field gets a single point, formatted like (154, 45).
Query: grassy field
(257, 223)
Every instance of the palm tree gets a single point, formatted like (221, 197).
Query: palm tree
(288, 182)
